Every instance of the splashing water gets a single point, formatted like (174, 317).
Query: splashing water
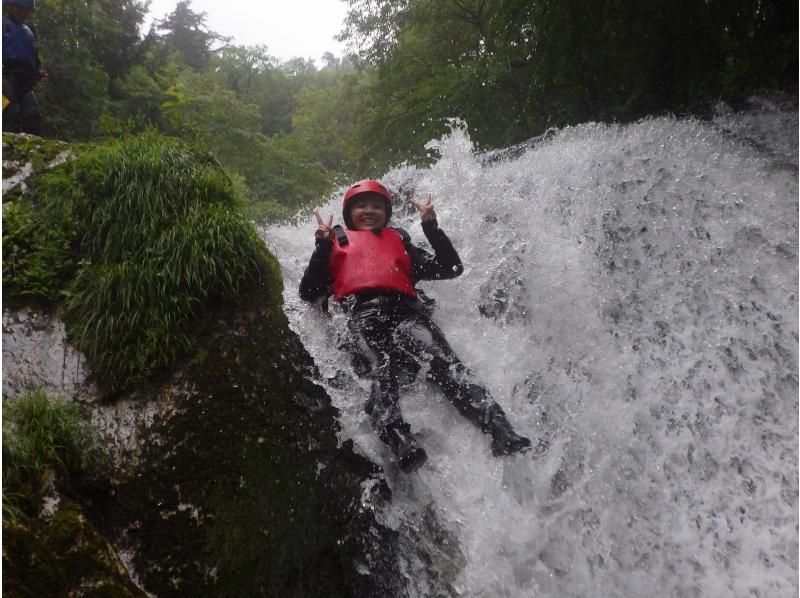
(630, 294)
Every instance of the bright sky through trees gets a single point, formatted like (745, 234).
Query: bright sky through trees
(292, 28)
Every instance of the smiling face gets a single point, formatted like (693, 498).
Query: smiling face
(368, 212)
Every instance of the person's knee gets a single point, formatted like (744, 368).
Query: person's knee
(11, 112)
(447, 370)
(11, 120)
(32, 123)
(29, 114)
(384, 417)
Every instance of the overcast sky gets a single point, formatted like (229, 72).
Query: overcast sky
(288, 28)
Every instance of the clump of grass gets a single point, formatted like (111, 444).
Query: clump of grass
(164, 237)
(37, 237)
(156, 235)
(42, 435)
(37, 258)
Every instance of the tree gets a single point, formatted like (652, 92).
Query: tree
(554, 62)
(326, 122)
(257, 78)
(202, 111)
(86, 46)
(114, 34)
(242, 66)
(186, 32)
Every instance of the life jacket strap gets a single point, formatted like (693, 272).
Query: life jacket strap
(341, 236)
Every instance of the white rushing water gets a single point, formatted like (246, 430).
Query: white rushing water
(630, 294)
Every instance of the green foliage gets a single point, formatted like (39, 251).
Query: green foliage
(141, 98)
(295, 178)
(509, 68)
(325, 120)
(85, 47)
(139, 238)
(185, 31)
(163, 238)
(274, 169)
(200, 110)
(37, 258)
(42, 435)
(513, 68)
(258, 79)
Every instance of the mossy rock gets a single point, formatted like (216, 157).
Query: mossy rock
(61, 555)
(132, 242)
(244, 491)
(27, 157)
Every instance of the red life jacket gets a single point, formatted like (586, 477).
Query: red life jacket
(370, 262)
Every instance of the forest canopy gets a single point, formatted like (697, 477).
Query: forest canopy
(291, 131)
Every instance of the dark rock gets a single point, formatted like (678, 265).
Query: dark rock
(242, 490)
(61, 554)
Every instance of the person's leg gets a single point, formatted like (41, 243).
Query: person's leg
(12, 113)
(30, 117)
(372, 340)
(459, 386)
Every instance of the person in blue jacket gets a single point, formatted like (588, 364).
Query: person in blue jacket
(372, 269)
(21, 69)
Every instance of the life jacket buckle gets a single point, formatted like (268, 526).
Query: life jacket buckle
(341, 236)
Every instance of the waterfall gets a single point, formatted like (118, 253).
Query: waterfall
(629, 295)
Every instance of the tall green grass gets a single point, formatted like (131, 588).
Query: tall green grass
(37, 254)
(157, 236)
(41, 435)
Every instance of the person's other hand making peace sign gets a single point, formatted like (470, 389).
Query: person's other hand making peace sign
(425, 209)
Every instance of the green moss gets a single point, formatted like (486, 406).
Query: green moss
(136, 239)
(37, 257)
(61, 555)
(49, 447)
(22, 149)
(41, 435)
(12, 194)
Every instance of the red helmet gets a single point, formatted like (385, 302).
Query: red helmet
(365, 186)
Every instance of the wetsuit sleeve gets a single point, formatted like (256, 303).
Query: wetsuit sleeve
(444, 264)
(316, 280)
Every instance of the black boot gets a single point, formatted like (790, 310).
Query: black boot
(505, 441)
(410, 456)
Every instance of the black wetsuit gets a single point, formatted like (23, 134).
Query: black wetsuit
(393, 333)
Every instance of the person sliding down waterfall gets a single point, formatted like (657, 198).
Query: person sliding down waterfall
(371, 269)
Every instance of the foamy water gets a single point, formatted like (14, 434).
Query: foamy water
(630, 294)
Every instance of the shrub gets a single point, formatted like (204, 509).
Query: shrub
(41, 435)
(37, 259)
(149, 235)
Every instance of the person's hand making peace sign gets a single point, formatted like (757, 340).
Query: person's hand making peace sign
(324, 230)
(425, 209)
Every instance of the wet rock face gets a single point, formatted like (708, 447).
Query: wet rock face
(228, 475)
(36, 355)
(232, 482)
(241, 488)
(25, 155)
(61, 553)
